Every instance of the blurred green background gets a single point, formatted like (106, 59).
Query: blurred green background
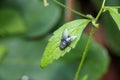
(25, 27)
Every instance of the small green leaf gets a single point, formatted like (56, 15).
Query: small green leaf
(52, 51)
(115, 15)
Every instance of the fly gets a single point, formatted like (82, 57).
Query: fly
(66, 40)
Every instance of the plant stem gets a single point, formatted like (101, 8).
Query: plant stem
(88, 42)
(84, 53)
(74, 11)
(100, 11)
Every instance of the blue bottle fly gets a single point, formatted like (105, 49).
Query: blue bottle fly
(66, 40)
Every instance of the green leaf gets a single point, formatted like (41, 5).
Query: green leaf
(23, 59)
(115, 15)
(11, 22)
(38, 19)
(52, 51)
(112, 34)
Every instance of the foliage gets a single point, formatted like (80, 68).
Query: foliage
(20, 19)
(9, 19)
(115, 15)
(49, 54)
(111, 29)
(96, 61)
(24, 25)
(52, 51)
(23, 59)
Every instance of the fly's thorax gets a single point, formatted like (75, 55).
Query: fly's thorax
(68, 39)
(64, 43)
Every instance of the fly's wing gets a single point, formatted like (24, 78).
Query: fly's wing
(73, 38)
(65, 34)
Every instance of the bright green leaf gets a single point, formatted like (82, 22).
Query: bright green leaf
(115, 15)
(52, 51)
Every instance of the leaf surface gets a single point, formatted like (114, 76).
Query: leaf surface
(115, 15)
(52, 51)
